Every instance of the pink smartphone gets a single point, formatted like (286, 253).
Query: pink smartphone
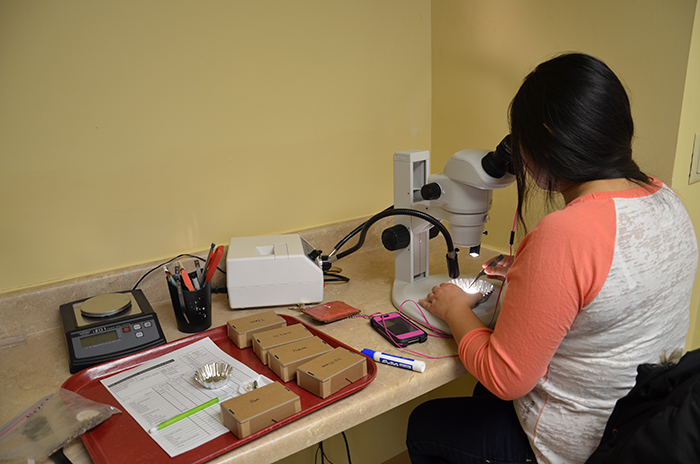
(396, 328)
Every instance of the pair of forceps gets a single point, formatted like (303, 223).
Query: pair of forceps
(495, 261)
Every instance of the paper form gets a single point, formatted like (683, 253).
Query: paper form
(164, 387)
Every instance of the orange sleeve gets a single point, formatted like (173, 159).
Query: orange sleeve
(560, 267)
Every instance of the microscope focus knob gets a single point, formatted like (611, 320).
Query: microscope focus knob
(431, 191)
(396, 237)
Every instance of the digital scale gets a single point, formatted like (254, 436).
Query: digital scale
(109, 326)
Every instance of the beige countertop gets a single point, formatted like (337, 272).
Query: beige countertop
(39, 367)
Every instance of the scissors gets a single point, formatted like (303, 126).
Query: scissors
(495, 261)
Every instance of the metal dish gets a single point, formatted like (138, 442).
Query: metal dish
(481, 286)
(213, 375)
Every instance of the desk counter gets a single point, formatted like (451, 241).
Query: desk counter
(39, 367)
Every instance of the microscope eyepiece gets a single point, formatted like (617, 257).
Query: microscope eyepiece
(497, 163)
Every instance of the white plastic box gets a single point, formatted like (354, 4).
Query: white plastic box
(272, 270)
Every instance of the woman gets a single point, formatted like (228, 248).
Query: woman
(594, 290)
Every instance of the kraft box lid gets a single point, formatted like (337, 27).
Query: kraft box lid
(263, 341)
(257, 409)
(330, 372)
(284, 359)
(241, 330)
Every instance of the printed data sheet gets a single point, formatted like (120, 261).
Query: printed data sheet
(162, 388)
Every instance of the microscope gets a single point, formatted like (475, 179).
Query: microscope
(461, 196)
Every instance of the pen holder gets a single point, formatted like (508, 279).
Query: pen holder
(192, 309)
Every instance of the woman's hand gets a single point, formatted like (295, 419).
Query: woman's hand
(454, 306)
(499, 270)
(448, 297)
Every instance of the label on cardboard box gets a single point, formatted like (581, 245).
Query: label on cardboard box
(263, 341)
(241, 330)
(259, 408)
(329, 372)
(284, 359)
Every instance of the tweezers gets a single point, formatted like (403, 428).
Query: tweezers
(495, 261)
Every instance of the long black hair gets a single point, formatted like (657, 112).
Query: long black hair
(571, 122)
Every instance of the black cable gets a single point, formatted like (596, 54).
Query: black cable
(334, 277)
(170, 261)
(347, 447)
(324, 458)
(354, 232)
(394, 212)
(323, 453)
(452, 259)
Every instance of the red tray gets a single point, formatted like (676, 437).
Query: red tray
(121, 439)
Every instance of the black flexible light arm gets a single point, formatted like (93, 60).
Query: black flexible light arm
(452, 262)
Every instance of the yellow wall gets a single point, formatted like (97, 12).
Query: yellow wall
(483, 49)
(689, 126)
(132, 131)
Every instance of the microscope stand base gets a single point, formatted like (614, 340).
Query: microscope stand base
(404, 294)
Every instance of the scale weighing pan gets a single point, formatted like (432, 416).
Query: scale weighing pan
(109, 326)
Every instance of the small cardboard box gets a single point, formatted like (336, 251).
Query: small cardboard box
(257, 409)
(284, 359)
(241, 330)
(263, 341)
(328, 373)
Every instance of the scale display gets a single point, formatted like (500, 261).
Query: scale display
(109, 326)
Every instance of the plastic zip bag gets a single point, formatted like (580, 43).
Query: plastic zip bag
(50, 424)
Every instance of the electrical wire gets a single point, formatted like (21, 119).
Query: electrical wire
(393, 212)
(334, 276)
(356, 231)
(325, 458)
(512, 233)
(452, 265)
(438, 333)
(496, 310)
(170, 261)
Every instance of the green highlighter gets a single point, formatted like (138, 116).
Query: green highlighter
(185, 414)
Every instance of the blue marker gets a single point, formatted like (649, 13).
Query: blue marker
(396, 361)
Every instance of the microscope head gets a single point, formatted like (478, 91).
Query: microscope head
(462, 193)
(481, 169)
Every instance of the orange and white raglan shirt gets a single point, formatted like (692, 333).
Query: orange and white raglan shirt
(596, 289)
